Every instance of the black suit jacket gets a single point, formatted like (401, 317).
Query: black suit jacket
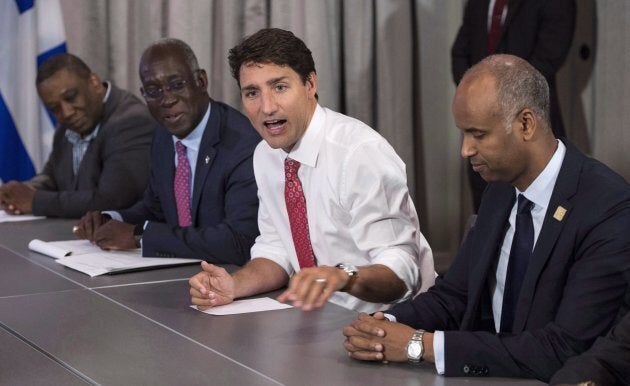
(539, 31)
(115, 168)
(607, 363)
(572, 291)
(225, 202)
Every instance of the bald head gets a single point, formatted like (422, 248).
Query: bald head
(501, 106)
(518, 85)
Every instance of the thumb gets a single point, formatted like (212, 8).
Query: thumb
(209, 268)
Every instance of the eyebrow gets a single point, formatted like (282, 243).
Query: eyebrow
(270, 82)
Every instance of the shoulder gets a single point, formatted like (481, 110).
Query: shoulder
(236, 131)
(350, 135)
(124, 109)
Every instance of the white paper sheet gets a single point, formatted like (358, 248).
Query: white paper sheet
(92, 260)
(5, 217)
(245, 306)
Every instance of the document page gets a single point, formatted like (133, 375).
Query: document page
(245, 306)
(88, 258)
(5, 217)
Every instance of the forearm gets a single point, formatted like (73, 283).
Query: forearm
(260, 275)
(378, 284)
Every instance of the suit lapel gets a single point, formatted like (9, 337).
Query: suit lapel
(206, 156)
(513, 8)
(558, 212)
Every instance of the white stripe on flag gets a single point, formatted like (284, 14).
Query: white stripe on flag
(25, 36)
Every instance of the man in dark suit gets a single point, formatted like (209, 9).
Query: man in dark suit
(528, 289)
(606, 363)
(100, 154)
(538, 31)
(200, 202)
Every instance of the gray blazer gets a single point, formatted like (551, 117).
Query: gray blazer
(114, 171)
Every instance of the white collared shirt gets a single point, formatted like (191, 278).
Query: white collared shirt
(358, 205)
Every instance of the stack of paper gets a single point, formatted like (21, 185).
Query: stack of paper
(92, 260)
(5, 217)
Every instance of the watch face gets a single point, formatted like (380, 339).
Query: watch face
(414, 350)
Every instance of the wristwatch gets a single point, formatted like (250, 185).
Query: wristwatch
(352, 272)
(415, 348)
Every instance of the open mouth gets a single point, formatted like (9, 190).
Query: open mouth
(275, 126)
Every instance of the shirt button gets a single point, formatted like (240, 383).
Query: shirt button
(466, 369)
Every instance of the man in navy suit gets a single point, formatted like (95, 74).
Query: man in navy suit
(217, 219)
(573, 280)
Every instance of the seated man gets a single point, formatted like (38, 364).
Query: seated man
(100, 153)
(541, 274)
(606, 363)
(335, 215)
(201, 199)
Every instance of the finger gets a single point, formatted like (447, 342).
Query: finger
(367, 356)
(87, 227)
(318, 294)
(367, 324)
(200, 283)
(201, 302)
(212, 269)
(365, 344)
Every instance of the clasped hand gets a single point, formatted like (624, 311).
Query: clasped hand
(105, 232)
(374, 338)
(17, 197)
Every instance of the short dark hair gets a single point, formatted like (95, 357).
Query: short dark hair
(62, 62)
(276, 46)
(519, 85)
(189, 54)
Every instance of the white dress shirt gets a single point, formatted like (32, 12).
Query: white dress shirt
(358, 205)
(539, 192)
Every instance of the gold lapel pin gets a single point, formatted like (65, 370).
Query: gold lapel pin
(207, 159)
(559, 213)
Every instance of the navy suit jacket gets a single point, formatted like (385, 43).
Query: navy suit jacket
(539, 31)
(224, 203)
(572, 291)
(606, 363)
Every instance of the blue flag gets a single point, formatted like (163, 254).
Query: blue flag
(30, 32)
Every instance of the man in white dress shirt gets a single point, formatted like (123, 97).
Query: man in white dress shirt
(336, 219)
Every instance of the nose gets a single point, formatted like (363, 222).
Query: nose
(66, 111)
(168, 99)
(268, 103)
(468, 148)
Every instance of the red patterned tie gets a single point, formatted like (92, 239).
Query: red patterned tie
(495, 26)
(296, 207)
(182, 186)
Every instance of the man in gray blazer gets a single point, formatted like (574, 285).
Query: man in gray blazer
(100, 155)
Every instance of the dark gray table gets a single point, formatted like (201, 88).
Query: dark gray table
(58, 326)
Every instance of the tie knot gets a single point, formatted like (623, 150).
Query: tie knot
(180, 148)
(291, 166)
(524, 205)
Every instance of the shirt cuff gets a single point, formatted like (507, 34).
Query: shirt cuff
(113, 214)
(390, 317)
(438, 351)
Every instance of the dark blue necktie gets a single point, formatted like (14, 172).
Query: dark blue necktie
(521, 251)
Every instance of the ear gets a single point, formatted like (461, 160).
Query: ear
(528, 124)
(311, 84)
(201, 78)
